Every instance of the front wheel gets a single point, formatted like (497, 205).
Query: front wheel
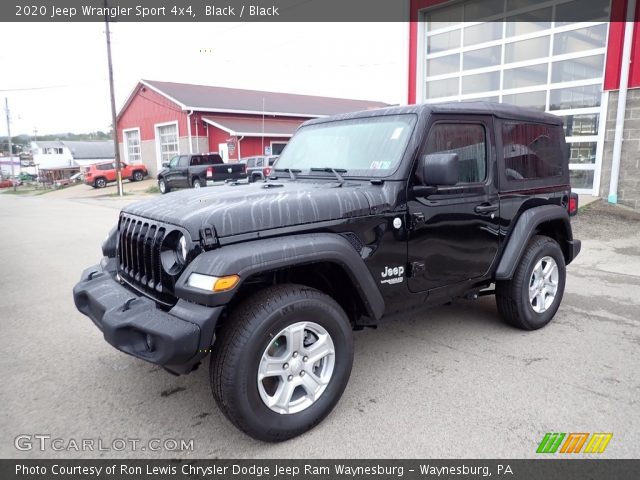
(137, 176)
(532, 297)
(163, 187)
(281, 362)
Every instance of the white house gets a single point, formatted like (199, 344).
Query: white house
(64, 154)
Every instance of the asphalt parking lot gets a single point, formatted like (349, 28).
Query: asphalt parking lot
(452, 382)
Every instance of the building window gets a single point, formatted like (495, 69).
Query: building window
(52, 151)
(277, 147)
(132, 145)
(517, 52)
(168, 141)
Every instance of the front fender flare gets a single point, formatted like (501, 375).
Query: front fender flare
(257, 256)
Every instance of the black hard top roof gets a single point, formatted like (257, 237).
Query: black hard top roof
(500, 110)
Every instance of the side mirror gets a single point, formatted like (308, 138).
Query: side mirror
(165, 164)
(438, 169)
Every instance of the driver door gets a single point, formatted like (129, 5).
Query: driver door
(454, 236)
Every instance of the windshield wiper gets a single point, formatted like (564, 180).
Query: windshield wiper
(291, 171)
(335, 171)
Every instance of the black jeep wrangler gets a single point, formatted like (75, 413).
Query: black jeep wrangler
(366, 215)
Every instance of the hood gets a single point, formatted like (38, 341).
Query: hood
(245, 208)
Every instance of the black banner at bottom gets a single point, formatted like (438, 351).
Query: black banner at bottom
(198, 469)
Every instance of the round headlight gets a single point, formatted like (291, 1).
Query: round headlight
(174, 252)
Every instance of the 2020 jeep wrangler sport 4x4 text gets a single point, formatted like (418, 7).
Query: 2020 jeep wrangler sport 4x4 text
(366, 215)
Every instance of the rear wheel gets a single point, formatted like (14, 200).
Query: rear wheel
(197, 183)
(100, 183)
(281, 362)
(532, 297)
(163, 187)
(256, 178)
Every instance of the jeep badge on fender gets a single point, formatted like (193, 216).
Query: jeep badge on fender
(363, 215)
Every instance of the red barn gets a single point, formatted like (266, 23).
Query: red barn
(163, 119)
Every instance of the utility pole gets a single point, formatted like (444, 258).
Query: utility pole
(113, 104)
(6, 107)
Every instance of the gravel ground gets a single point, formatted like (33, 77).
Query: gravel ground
(600, 220)
(452, 382)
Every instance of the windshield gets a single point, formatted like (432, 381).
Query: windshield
(369, 146)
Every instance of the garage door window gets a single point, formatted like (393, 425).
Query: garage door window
(524, 53)
(168, 139)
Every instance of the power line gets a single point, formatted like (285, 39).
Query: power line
(31, 88)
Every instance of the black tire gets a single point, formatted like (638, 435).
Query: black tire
(249, 178)
(163, 186)
(100, 182)
(240, 346)
(256, 178)
(196, 183)
(137, 176)
(512, 296)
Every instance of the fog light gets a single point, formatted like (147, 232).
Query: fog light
(211, 283)
(149, 342)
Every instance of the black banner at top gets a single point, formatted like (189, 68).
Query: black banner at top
(559, 11)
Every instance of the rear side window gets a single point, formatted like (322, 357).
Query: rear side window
(105, 166)
(197, 161)
(532, 151)
(468, 140)
(212, 160)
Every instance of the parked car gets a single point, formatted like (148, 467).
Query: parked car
(26, 177)
(9, 183)
(99, 174)
(76, 177)
(259, 167)
(355, 230)
(197, 170)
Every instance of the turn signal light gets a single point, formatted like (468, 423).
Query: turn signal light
(226, 283)
(211, 283)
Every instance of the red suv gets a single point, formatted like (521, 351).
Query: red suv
(99, 174)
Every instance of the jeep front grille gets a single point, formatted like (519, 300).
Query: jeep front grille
(138, 254)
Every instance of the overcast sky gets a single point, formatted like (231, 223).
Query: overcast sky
(350, 60)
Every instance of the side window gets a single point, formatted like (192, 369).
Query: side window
(259, 161)
(184, 161)
(196, 161)
(174, 162)
(531, 151)
(468, 140)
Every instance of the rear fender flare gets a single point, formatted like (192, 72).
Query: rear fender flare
(525, 227)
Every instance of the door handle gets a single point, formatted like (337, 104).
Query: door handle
(486, 208)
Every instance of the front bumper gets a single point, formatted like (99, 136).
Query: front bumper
(176, 339)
